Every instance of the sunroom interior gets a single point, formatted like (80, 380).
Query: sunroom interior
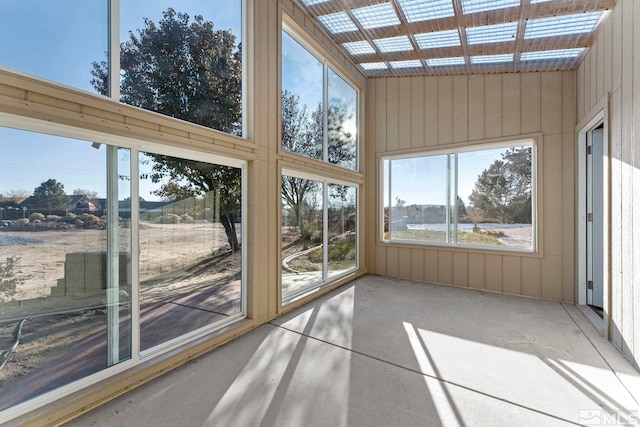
(241, 164)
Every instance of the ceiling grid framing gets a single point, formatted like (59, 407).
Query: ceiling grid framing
(421, 18)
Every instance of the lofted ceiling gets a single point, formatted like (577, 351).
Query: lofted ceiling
(418, 37)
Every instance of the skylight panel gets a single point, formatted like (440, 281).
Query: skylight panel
(562, 25)
(492, 59)
(492, 33)
(474, 6)
(438, 39)
(376, 16)
(394, 44)
(312, 2)
(359, 48)
(423, 10)
(445, 62)
(371, 66)
(539, 1)
(551, 54)
(406, 64)
(338, 22)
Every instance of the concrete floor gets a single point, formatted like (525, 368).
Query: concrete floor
(383, 352)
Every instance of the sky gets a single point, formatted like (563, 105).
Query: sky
(58, 40)
(422, 180)
(302, 74)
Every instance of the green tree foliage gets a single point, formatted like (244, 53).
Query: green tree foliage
(503, 190)
(187, 70)
(462, 209)
(181, 69)
(50, 195)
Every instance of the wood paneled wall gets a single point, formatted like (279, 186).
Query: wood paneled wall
(416, 112)
(611, 71)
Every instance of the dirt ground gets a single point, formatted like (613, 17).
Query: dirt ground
(517, 236)
(162, 248)
(176, 260)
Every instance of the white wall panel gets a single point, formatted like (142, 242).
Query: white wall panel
(613, 65)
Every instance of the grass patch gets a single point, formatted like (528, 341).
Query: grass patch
(438, 236)
(342, 255)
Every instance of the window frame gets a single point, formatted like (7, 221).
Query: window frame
(138, 357)
(326, 280)
(455, 149)
(290, 28)
(113, 58)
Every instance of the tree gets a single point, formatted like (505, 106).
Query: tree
(185, 70)
(462, 209)
(302, 133)
(398, 213)
(50, 195)
(342, 143)
(190, 178)
(299, 135)
(91, 195)
(189, 71)
(16, 196)
(503, 190)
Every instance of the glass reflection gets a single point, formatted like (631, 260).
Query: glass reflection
(182, 59)
(55, 39)
(190, 254)
(342, 216)
(479, 197)
(65, 264)
(302, 105)
(302, 235)
(342, 124)
(494, 203)
(418, 193)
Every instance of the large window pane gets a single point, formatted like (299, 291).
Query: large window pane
(342, 122)
(418, 199)
(495, 189)
(65, 261)
(302, 100)
(319, 108)
(342, 216)
(183, 59)
(302, 234)
(481, 196)
(55, 39)
(190, 254)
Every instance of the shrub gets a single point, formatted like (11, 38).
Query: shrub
(23, 221)
(169, 219)
(53, 218)
(36, 216)
(70, 218)
(89, 218)
(493, 232)
(186, 218)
